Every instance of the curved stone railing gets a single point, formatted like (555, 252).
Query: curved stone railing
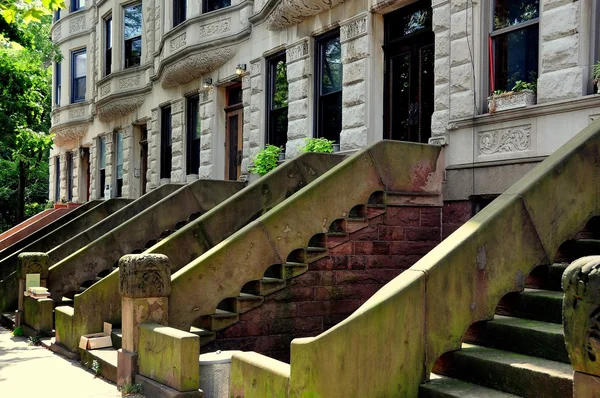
(389, 345)
(102, 302)
(403, 169)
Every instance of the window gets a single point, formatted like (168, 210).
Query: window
(193, 136)
(277, 101)
(212, 5)
(58, 82)
(108, 50)
(78, 73)
(165, 143)
(57, 15)
(133, 35)
(119, 155)
(102, 164)
(179, 9)
(328, 88)
(77, 5)
(57, 179)
(69, 176)
(514, 43)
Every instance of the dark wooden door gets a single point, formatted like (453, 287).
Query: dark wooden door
(143, 157)
(234, 119)
(409, 83)
(85, 163)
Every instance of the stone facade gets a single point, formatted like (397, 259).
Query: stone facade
(177, 62)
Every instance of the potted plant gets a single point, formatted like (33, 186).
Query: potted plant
(62, 204)
(320, 145)
(521, 95)
(265, 161)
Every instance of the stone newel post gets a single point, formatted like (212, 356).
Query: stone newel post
(581, 321)
(145, 286)
(29, 263)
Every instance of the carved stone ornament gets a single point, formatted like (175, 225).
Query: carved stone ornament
(215, 28)
(514, 139)
(77, 24)
(32, 263)
(66, 134)
(120, 107)
(144, 275)
(292, 12)
(126, 83)
(57, 34)
(355, 28)
(105, 90)
(76, 113)
(297, 52)
(581, 314)
(196, 65)
(178, 42)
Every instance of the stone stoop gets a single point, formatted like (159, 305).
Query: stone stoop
(106, 359)
(522, 350)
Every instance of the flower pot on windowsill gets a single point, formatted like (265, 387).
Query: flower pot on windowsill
(281, 156)
(511, 100)
(60, 206)
(336, 147)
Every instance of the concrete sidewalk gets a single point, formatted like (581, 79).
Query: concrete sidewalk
(30, 371)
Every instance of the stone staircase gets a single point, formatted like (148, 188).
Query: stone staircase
(521, 352)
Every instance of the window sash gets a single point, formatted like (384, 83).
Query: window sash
(512, 28)
(193, 135)
(132, 57)
(327, 98)
(57, 179)
(179, 11)
(108, 46)
(213, 5)
(102, 154)
(58, 82)
(165, 143)
(69, 176)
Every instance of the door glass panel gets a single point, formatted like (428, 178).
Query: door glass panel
(426, 59)
(400, 96)
(232, 123)
(409, 23)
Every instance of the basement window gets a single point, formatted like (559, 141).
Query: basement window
(514, 42)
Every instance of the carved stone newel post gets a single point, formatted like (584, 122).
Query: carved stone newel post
(581, 321)
(29, 263)
(145, 286)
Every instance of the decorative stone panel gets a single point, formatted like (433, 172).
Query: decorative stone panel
(117, 108)
(110, 157)
(127, 83)
(63, 176)
(32, 263)
(292, 12)
(195, 65)
(65, 134)
(246, 98)
(215, 28)
(144, 275)
(513, 139)
(52, 178)
(77, 24)
(76, 153)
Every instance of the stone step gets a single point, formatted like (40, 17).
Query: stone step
(447, 387)
(106, 359)
(117, 338)
(219, 320)
(356, 224)
(535, 304)
(206, 336)
(245, 302)
(335, 239)
(375, 210)
(523, 336)
(313, 254)
(264, 286)
(574, 249)
(7, 319)
(547, 277)
(509, 372)
(291, 270)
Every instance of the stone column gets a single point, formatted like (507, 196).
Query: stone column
(246, 99)
(581, 321)
(257, 103)
(94, 191)
(128, 162)
(52, 178)
(299, 70)
(177, 138)
(355, 39)
(145, 286)
(207, 120)
(564, 50)
(29, 263)
(152, 175)
(76, 153)
(110, 160)
(441, 72)
(63, 176)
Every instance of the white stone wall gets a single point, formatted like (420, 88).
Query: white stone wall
(128, 162)
(246, 99)
(254, 126)
(63, 176)
(177, 139)
(441, 70)
(561, 70)
(153, 173)
(207, 116)
(299, 72)
(355, 39)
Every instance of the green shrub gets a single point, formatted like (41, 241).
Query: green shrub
(266, 160)
(18, 331)
(132, 388)
(521, 85)
(35, 340)
(596, 73)
(320, 145)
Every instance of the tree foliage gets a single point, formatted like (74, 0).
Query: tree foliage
(16, 15)
(25, 104)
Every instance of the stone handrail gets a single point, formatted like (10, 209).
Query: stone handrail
(101, 302)
(389, 345)
(403, 169)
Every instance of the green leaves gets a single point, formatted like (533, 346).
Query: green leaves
(266, 160)
(321, 145)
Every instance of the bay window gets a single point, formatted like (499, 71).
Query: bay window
(133, 35)
(78, 73)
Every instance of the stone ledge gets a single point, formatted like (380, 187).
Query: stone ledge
(155, 389)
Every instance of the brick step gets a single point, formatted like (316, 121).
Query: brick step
(206, 336)
(523, 336)
(447, 387)
(264, 286)
(107, 361)
(547, 277)
(508, 372)
(535, 304)
(574, 249)
(219, 320)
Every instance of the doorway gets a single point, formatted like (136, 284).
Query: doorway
(85, 165)
(143, 157)
(409, 81)
(234, 115)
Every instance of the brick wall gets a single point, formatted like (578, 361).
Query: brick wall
(359, 263)
(454, 215)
